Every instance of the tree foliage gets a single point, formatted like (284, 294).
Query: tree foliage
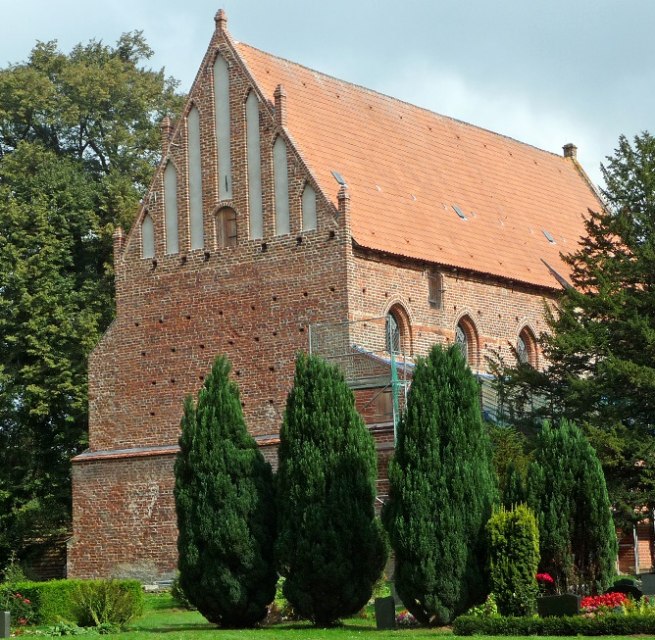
(601, 339)
(225, 508)
(566, 488)
(330, 548)
(514, 559)
(442, 488)
(79, 137)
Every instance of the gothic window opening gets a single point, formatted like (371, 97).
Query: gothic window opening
(397, 338)
(226, 227)
(466, 338)
(526, 348)
(147, 237)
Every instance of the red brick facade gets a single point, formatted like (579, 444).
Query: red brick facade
(255, 303)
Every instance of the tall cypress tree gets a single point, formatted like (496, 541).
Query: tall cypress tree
(330, 546)
(225, 508)
(442, 489)
(566, 488)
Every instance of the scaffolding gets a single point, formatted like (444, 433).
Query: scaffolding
(368, 354)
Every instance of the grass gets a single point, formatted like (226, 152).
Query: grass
(163, 620)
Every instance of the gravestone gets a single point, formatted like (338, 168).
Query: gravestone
(567, 604)
(385, 613)
(4, 624)
(648, 583)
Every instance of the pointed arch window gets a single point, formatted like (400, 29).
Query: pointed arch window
(308, 201)
(397, 331)
(147, 237)
(195, 180)
(466, 337)
(526, 348)
(226, 227)
(281, 180)
(170, 206)
(253, 149)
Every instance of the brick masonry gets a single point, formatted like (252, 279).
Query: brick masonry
(253, 302)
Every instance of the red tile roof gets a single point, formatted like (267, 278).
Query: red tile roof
(407, 167)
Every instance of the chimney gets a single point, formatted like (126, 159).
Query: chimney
(221, 21)
(343, 198)
(166, 127)
(570, 150)
(280, 96)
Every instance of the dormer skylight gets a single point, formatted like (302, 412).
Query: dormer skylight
(459, 212)
(549, 236)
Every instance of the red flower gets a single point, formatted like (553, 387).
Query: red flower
(545, 578)
(590, 604)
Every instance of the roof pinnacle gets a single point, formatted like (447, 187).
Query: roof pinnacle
(221, 20)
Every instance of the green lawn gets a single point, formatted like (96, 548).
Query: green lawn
(163, 620)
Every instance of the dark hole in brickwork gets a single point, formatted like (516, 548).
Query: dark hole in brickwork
(154, 382)
(136, 324)
(271, 368)
(332, 234)
(161, 320)
(270, 402)
(238, 372)
(274, 298)
(143, 353)
(252, 307)
(173, 349)
(409, 299)
(154, 264)
(256, 338)
(299, 240)
(188, 317)
(202, 346)
(230, 341)
(183, 259)
(264, 247)
(274, 333)
(386, 294)
(207, 255)
(220, 313)
(201, 377)
(301, 329)
(305, 294)
(172, 380)
(243, 404)
(152, 413)
(363, 289)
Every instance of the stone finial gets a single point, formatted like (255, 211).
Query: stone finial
(221, 20)
(570, 150)
(166, 127)
(343, 198)
(118, 238)
(280, 96)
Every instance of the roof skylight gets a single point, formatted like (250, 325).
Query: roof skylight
(549, 236)
(459, 212)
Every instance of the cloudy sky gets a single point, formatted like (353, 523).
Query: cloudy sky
(546, 72)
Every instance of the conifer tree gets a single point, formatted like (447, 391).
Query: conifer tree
(442, 489)
(225, 508)
(566, 488)
(330, 547)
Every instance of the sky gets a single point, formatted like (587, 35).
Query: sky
(546, 72)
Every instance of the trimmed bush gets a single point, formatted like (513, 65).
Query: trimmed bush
(442, 488)
(331, 548)
(107, 603)
(513, 538)
(611, 624)
(566, 487)
(225, 508)
(59, 600)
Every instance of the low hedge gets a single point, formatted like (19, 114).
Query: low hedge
(66, 600)
(605, 625)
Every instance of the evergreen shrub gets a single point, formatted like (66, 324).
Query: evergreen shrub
(513, 539)
(442, 487)
(331, 548)
(225, 508)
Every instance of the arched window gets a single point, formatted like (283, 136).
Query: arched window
(195, 180)
(467, 338)
(222, 110)
(397, 331)
(281, 184)
(526, 347)
(226, 227)
(253, 148)
(435, 289)
(309, 221)
(170, 206)
(147, 237)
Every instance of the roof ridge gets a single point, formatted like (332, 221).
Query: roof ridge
(238, 43)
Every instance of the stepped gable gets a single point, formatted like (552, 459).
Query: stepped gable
(407, 167)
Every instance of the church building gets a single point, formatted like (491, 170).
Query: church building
(293, 211)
